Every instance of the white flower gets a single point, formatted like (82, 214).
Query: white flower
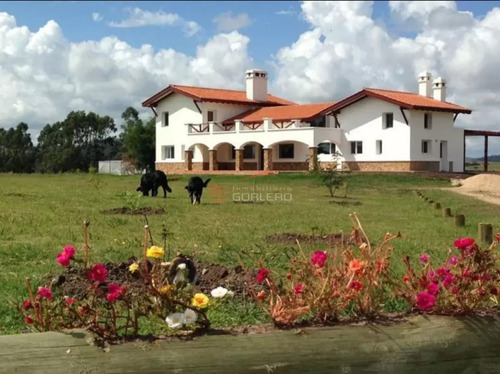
(181, 266)
(219, 292)
(176, 320)
(190, 316)
(230, 293)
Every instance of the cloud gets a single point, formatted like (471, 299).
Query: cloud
(345, 50)
(226, 22)
(140, 18)
(96, 17)
(44, 76)
(284, 12)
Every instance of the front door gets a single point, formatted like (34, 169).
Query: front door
(443, 156)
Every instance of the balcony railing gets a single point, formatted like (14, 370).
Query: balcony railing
(239, 126)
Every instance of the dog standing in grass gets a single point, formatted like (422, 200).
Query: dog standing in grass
(195, 188)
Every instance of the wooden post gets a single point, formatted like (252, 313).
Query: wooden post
(446, 212)
(486, 153)
(430, 201)
(460, 220)
(485, 233)
(437, 205)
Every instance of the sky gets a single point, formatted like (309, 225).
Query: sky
(105, 56)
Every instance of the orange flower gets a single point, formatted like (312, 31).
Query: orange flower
(406, 278)
(261, 295)
(356, 266)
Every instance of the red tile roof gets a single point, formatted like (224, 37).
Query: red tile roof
(213, 95)
(406, 100)
(283, 113)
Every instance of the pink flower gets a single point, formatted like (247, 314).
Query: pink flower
(432, 275)
(28, 319)
(114, 292)
(44, 293)
(433, 288)
(425, 301)
(318, 259)
(463, 243)
(442, 271)
(63, 259)
(299, 288)
(448, 279)
(424, 258)
(98, 273)
(355, 285)
(454, 260)
(69, 251)
(27, 304)
(262, 275)
(71, 300)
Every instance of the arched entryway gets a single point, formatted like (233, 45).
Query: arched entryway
(196, 157)
(224, 156)
(288, 155)
(253, 156)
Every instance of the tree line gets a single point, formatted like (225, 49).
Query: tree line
(79, 142)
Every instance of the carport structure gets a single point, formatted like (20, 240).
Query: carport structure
(486, 134)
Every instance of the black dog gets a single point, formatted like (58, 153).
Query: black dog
(152, 181)
(195, 188)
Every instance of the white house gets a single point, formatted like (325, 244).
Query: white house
(378, 130)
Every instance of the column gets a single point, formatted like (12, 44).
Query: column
(188, 159)
(212, 159)
(238, 159)
(268, 159)
(313, 158)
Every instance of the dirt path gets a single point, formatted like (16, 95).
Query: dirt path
(489, 197)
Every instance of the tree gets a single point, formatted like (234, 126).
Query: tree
(139, 139)
(17, 153)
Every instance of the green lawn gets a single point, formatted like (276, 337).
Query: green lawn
(39, 214)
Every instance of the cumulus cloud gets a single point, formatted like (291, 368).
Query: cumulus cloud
(346, 50)
(44, 76)
(140, 18)
(96, 17)
(227, 22)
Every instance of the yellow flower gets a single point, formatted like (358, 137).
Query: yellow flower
(155, 252)
(166, 290)
(199, 300)
(133, 267)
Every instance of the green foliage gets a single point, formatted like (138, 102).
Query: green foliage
(17, 153)
(332, 179)
(138, 139)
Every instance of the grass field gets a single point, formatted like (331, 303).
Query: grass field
(478, 167)
(39, 214)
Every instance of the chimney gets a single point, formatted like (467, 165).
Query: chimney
(425, 84)
(439, 89)
(256, 84)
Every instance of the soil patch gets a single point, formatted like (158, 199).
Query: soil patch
(291, 238)
(73, 281)
(484, 187)
(345, 203)
(138, 211)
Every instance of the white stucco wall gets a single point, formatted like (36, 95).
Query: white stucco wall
(362, 121)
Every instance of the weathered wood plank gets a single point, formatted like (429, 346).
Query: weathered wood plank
(420, 345)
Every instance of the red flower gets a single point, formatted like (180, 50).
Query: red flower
(44, 293)
(494, 291)
(261, 295)
(425, 301)
(114, 292)
(497, 237)
(69, 251)
(481, 292)
(453, 260)
(424, 258)
(83, 310)
(27, 304)
(448, 279)
(66, 255)
(318, 259)
(98, 273)
(355, 285)
(454, 290)
(71, 300)
(299, 288)
(442, 271)
(406, 278)
(356, 266)
(423, 283)
(463, 243)
(289, 276)
(28, 319)
(433, 288)
(262, 275)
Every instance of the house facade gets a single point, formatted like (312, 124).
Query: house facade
(373, 130)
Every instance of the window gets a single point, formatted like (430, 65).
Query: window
(356, 148)
(388, 120)
(326, 149)
(379, 147)
(257, 74)
(319, 122)
(426, 146)
(165, 119)
(249, 151)
(427, 121)
(210, 116)
(168, 152)
(286, 151)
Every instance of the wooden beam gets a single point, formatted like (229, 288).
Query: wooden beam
(455, 117)
(422, 344)
(154, 111)
(486, 153)
(463, 171)
(404, 115)
(196, 103)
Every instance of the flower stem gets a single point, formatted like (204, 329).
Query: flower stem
(86, 243)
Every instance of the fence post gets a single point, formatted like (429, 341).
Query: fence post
(485, 233)
(460, 220)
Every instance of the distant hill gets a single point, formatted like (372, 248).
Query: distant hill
(493, 158)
